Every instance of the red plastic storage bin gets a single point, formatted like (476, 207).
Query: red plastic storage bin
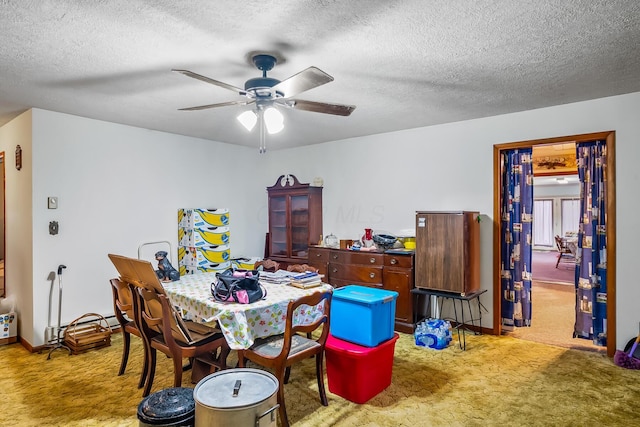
(358, 373)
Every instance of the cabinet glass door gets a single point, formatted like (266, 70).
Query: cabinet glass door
(299, 225)
(278, 226)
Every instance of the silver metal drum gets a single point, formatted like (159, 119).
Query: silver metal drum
(237, 398)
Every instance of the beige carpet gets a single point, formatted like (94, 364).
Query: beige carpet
(553, 318)
(498, 381)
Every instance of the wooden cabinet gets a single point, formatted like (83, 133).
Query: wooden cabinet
(397, 275)
(448, 251)
(295, 219)
(390, 271)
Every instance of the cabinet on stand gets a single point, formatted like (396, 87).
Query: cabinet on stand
(448, 267)
(295, 220)
(448, 251)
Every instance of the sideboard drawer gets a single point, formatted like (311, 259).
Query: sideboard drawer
(356, 273)
(318, 254)
(401, 261)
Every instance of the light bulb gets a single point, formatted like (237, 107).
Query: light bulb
(274, 120)
(248, 119)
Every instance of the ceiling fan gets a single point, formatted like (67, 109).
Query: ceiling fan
(266, 93)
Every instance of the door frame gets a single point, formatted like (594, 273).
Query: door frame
(609, 137)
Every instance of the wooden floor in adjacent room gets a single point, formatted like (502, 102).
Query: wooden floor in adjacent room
(553, 305)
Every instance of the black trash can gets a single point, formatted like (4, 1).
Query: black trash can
(171, 407)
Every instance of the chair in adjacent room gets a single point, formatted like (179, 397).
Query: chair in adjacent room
(267, 265)
(123, 310)
(564, 253)
(163, 329)
(280, 352)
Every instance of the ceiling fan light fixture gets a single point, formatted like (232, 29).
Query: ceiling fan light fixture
(273, 120)
(248, 119)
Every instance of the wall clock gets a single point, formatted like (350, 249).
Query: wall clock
(18, 157)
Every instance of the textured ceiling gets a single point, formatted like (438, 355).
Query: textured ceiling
(403, 64)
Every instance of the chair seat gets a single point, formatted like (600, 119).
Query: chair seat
(199, 331)
(198, 338)
(272, 346)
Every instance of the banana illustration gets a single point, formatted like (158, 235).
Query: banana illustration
(215, 256)
(214, 238)
(214, 217)
(214, 267)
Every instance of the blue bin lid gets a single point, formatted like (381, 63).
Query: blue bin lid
(364, 294)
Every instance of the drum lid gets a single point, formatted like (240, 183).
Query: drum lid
(235, 388)
(172, 404)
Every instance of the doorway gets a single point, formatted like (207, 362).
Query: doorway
(609, 137)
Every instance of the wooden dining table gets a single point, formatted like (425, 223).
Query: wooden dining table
(241, 324)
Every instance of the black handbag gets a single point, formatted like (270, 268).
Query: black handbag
(240, 286)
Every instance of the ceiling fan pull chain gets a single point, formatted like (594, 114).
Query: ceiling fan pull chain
(263, 144)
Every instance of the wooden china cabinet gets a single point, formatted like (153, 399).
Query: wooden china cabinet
(295, 220)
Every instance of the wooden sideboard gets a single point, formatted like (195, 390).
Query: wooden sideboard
(390, 271)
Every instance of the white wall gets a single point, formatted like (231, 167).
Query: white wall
(120, 186)
(380, 181)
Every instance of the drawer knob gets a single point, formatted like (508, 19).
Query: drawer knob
(335, 270)
(318, 255)
(372, 275)
(334, 256)
(372, 260)
(394, 261)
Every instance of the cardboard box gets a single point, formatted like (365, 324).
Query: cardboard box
(210, 268)
(204, 255)
(210, 236)
(363, 315)
(203, 218)
(244, 263)
(359, 373)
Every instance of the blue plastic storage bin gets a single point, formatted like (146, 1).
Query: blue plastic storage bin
(363, 315)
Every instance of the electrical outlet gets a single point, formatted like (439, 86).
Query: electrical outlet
(53, 227)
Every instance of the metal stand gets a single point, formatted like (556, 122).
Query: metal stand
(460, 323)
(58, 344)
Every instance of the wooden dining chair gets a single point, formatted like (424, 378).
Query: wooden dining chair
(123, 310)
(267, 265)
(564, 253)
(280, 352)
(301, 268)
(163, 329)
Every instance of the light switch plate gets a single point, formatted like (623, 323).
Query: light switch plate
(52, 202)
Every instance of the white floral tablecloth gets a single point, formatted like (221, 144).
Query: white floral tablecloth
(241, 324)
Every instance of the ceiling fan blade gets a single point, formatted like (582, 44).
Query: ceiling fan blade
(303, 81)
(220, 104)
(212, 81)
(321, 107)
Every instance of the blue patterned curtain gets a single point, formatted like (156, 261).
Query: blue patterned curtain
(591, 259)
(516, 237)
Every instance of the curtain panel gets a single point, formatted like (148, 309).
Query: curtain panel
(591, 260)
(516, 236)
